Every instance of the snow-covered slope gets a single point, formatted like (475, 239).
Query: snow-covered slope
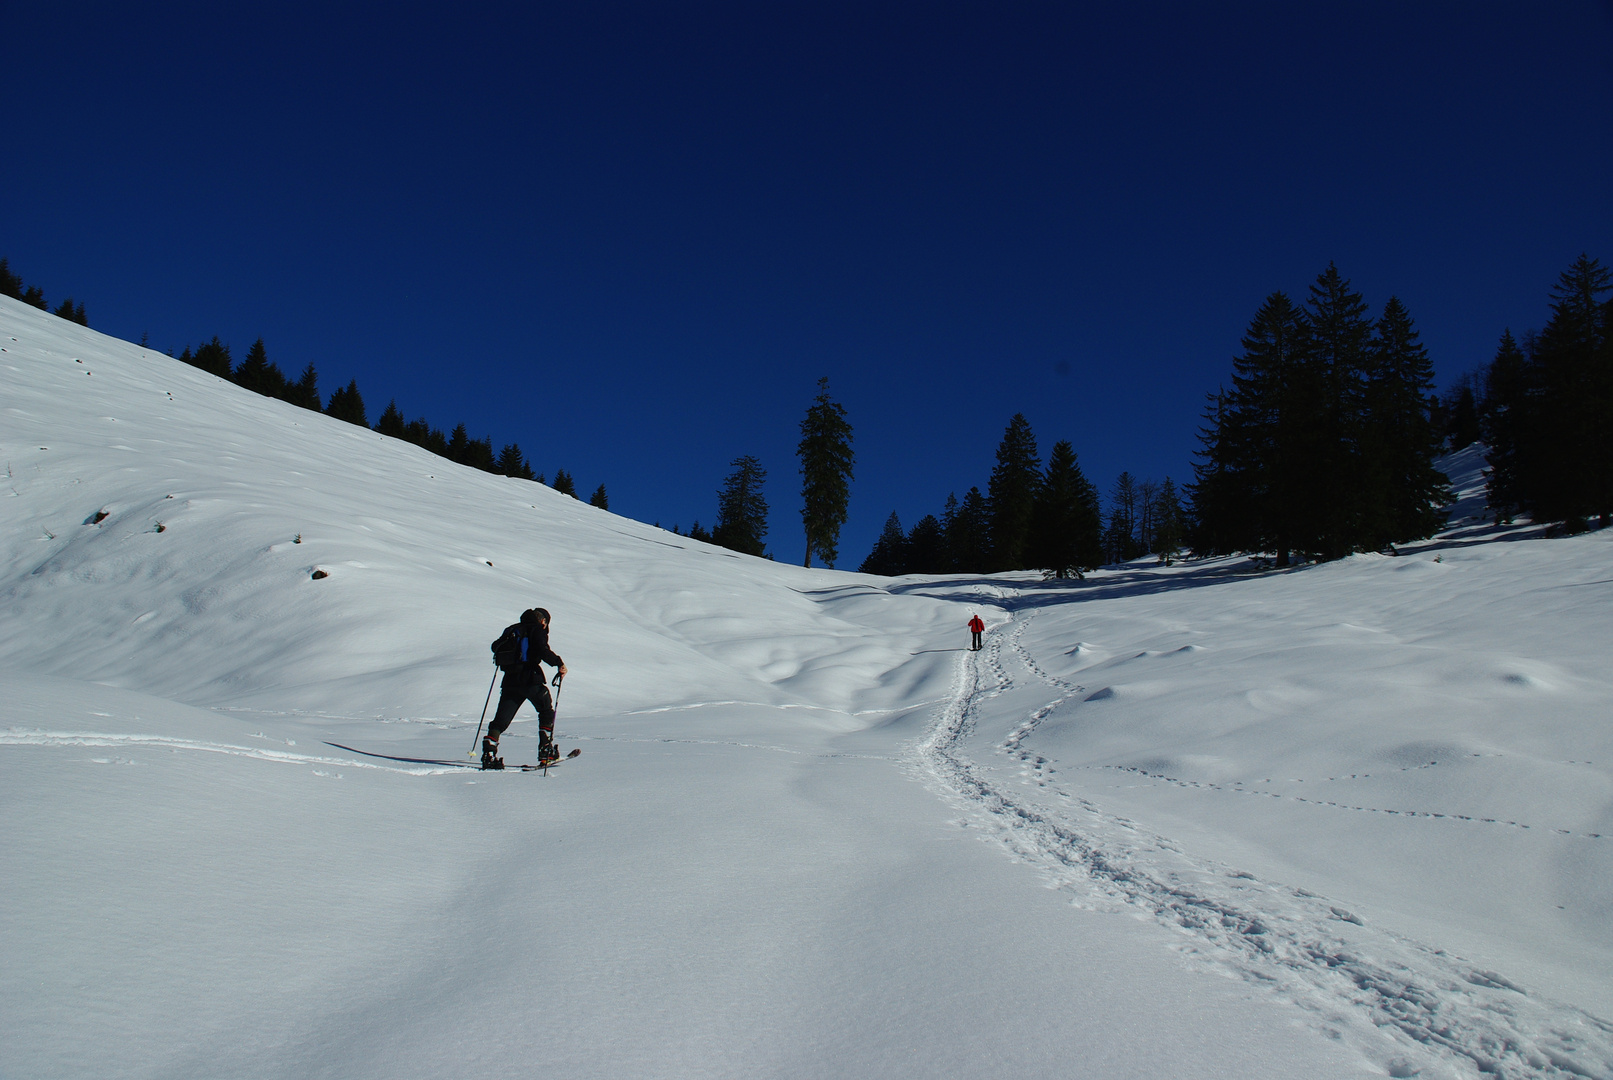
(1376, 793)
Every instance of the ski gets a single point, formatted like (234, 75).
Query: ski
(456, 764)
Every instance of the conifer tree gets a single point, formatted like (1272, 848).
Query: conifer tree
(1254, 487)
(926, 547)
(889, 556)
(1168, 523)
(969, 534)
(346, 403)
(1065, 534)
(459, 445)
(258, 373)
(214, 357)
(742, 509)
(599, 498)
(1339, 336)
(392, 422)
(66, 310)
(698, 532)
(305, 391)
(10, 284)
(36, 296)
(826, 474)
(480, 456)
(1403, 495)
(564, 484)
(1011, 495)
(1120, 537)
(511, 462)
(1573, 478)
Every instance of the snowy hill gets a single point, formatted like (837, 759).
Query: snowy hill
(1360, 814)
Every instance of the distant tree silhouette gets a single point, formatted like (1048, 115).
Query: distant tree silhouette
(826, 473)
(599, 498)
(889, 556)
(742, 509)
(346, 403)
(564, 484)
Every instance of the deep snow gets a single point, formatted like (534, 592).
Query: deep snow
(1342, 820)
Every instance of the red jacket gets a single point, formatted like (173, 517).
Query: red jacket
(976, 625)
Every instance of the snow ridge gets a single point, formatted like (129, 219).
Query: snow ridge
(1413, 1009)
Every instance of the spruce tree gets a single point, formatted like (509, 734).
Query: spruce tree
(564, 484)
(480, 456)
(599, 498)
(826, 474)
(258, 373)
(1403, 495)
(459, 445)
(1574, 474)
(742, 509)
(34, 295)
(305, 391)
(1168, 521)
(392, 422)
(1339, 338)
(969, 534)
(1255, 487)
(511, 462)
(214, 357)
(926, 547)
(1015, 482)
(1065, 533)
(10, 284)
(889, 556)
(1503, 419)
(1120, 536)
(346, 403)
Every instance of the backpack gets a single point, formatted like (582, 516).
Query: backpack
(509, 651)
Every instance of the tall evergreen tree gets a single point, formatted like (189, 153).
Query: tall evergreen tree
(511, 462)
(1120, 536)
(1574, 476)
(479, 455)
(1168, 521)
(826, 474)
(258, 373)
(742, 509)
(10, 284)
(214, 357)
(889, 556)
(564, 484)
(969, 534)
(34, 295)
(599, 498)
(459, 445)
(926, 547)
(1339, 339)
(392, 422)
(1015, 483)
(1404, 495)
(346, 403)
(305, 391)
(1065, 534)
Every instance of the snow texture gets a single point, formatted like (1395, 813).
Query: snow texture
(1212, 819)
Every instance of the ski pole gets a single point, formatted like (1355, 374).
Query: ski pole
(557, 680)
(472, 751)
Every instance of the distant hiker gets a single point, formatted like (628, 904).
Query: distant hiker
(521, 651)
(976, 627)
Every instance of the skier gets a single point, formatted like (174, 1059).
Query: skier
(524, 681)
(976, 627)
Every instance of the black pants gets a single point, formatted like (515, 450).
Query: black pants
(515, 691)
(975, 647)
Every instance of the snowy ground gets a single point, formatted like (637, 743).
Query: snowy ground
(1345, 820)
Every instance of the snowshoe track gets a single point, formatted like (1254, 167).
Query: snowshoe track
(1412, 1009)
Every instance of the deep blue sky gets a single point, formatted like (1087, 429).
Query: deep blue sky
(631, 237)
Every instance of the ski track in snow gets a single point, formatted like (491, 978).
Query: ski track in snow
(34, 737)
(1413, 1009)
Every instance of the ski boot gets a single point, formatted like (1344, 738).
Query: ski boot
(490, 758)
(548, 752)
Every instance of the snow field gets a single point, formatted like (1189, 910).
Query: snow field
(1345, 820)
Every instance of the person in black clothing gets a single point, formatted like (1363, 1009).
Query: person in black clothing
(525, 682)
